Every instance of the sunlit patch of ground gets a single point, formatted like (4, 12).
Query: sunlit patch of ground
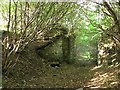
(104, 77)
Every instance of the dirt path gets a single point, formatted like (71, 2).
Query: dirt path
(67, 76)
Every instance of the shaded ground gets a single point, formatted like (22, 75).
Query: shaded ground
(33, 74)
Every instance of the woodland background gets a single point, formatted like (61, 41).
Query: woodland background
(60, 44)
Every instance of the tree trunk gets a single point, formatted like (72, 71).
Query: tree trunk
(66, 49)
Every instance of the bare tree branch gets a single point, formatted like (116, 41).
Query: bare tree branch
(113, 14)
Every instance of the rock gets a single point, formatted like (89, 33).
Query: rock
(55, 65)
